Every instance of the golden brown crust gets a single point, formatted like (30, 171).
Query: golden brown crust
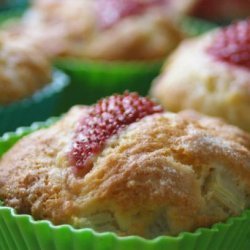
(161, 175)
(74, 28)
(23, 69)
(192, 79)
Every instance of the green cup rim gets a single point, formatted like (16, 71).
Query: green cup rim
(97, 65)
(10, 5)
(196, 26)
(59, 81)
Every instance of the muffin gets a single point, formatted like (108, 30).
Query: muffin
(210, 74)
(126, 166)
(104, 30)
(26, 77)
(23, 70)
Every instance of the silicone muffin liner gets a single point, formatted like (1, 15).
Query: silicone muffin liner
(23, 232)
(12, 10)
(194, 26)
(13, 4)
(91, 80)
(41, 105)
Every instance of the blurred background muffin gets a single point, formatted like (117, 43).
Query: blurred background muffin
(12, 4)
(29, 89)
(104, 30)
(210, 74)
(23, 69)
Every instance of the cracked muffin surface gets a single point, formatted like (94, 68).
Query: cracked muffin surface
(161, 175)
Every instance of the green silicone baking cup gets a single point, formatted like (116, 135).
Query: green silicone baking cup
(22, 232)
(8, 12)
(194, 26)
(92, 80)
(13, 4)
(44, 103)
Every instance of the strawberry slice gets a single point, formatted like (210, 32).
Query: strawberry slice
(103, 120)
(232, 44)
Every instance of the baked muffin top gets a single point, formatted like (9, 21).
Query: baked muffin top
(103, 30)
(23, 69)
(157, 173)
(210, 74)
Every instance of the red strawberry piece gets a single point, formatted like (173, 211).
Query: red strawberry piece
(103, 120)
(112, 11)
(232, 44)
